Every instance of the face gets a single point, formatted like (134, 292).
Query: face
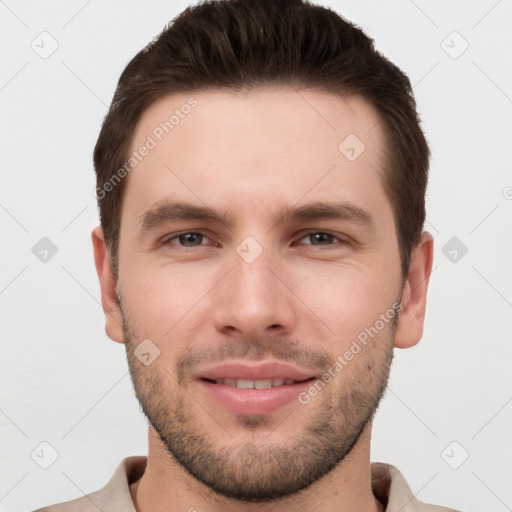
(259, 268)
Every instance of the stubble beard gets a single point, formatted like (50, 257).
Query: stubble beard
(265, 472)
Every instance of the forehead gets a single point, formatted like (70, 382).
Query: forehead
(224, 147)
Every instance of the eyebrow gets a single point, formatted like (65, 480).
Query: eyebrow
(167, 211)
(321, 210)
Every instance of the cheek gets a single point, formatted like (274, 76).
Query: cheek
(164, 301)
(346, 299)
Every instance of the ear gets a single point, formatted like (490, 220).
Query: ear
(113, 317)
(414, 296)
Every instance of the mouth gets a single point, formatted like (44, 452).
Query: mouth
(242, 388)
(258, 396)
(257, 384)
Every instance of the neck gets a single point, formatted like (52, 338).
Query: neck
(167, 487)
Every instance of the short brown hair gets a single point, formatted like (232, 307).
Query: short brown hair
(239, 45)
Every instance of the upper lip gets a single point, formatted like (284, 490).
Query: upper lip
(262, 371)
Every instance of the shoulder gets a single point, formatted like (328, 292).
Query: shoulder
(390, 487)
(88, 503)
(114, 496)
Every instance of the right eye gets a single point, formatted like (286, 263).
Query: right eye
(186, 239)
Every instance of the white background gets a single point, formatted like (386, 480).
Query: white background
(64, 382)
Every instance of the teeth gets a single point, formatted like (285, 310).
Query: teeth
(254, 384)
(245, 384)
(262, 384)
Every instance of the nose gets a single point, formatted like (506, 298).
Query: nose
(253, 299)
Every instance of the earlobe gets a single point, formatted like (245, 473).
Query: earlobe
(414, 296)
(109, 299)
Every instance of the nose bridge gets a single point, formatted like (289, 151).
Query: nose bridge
(253, 280)
(251, 298)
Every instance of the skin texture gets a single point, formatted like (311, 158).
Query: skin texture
(303, 300)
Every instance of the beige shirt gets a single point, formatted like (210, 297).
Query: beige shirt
(388, 485)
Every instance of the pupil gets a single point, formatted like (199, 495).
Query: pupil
(323, 237)
(190, 237)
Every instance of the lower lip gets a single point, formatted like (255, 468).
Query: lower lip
(254, 401)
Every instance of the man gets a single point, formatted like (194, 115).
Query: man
(261, 176)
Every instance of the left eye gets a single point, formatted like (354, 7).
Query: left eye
(189, 239)
(321, 238)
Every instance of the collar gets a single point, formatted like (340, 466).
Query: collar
(388, 485)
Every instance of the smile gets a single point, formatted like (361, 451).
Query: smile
(255, 384)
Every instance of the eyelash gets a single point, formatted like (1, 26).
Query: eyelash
(340, 239)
